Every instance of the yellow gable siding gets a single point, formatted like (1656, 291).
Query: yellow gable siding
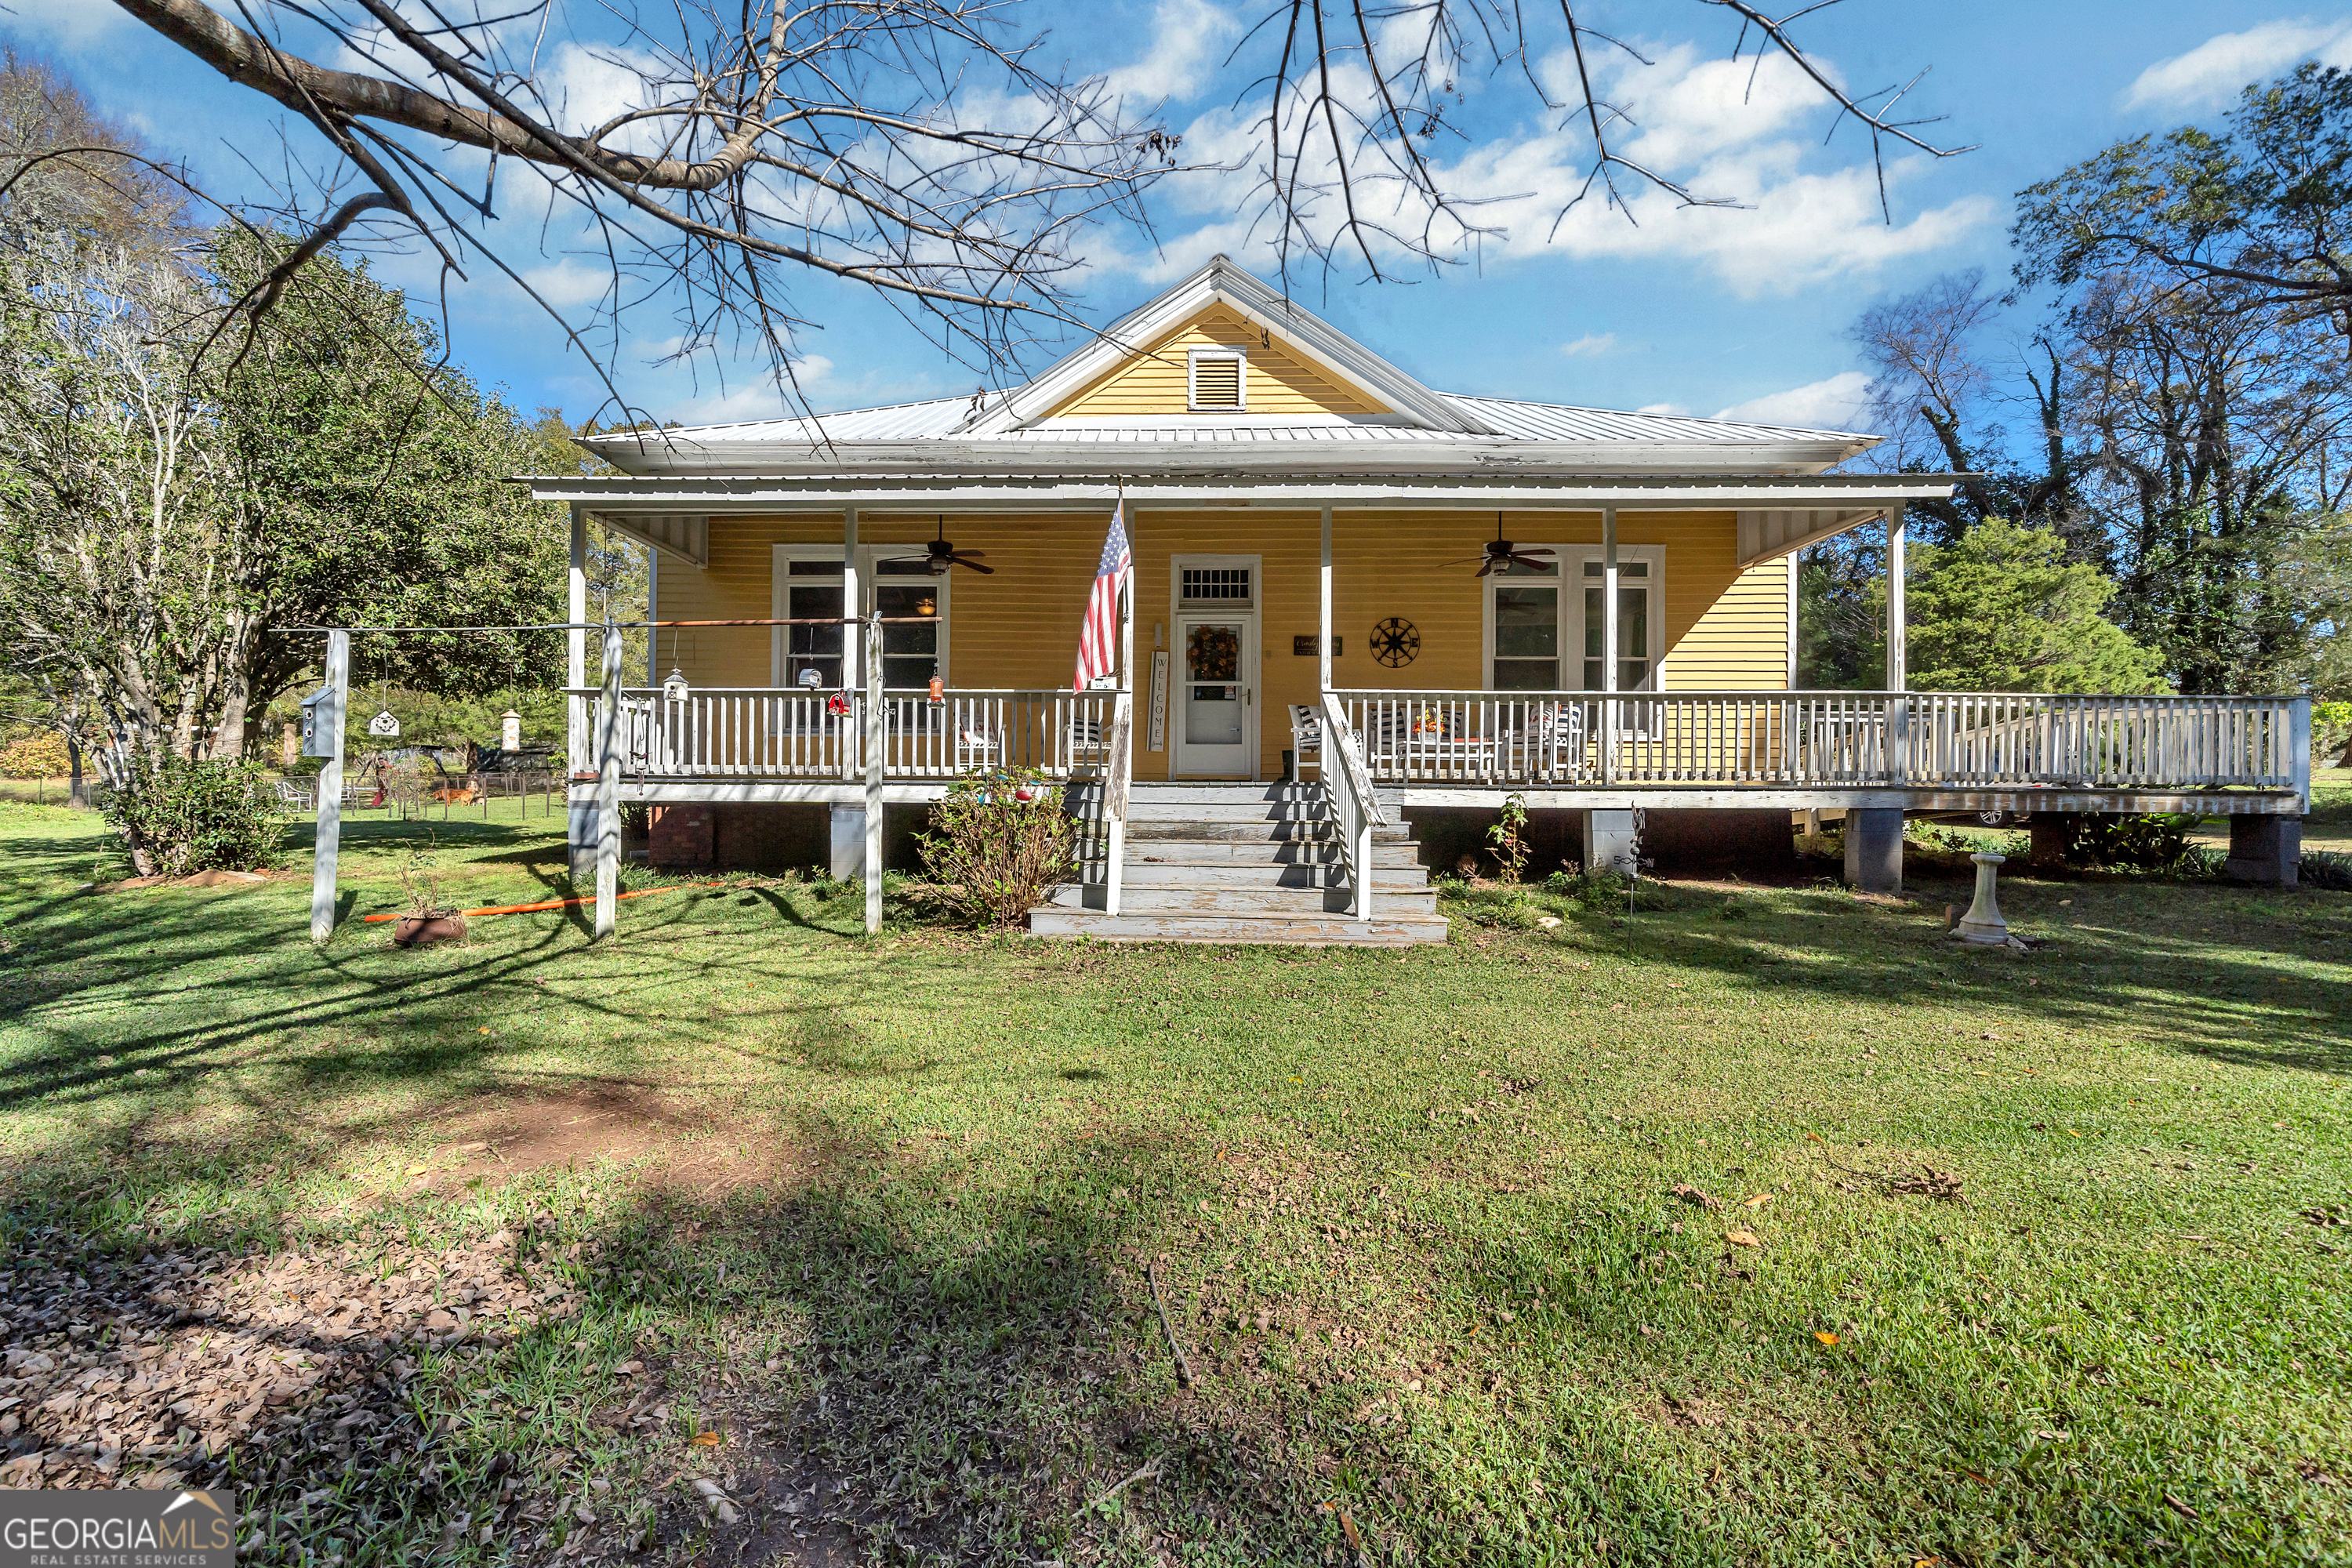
(1723, 628)
(1282, 379)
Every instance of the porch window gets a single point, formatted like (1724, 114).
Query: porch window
(911, 655)
(809, 587)
(1545, 637)
(813, 655)
(1526, 605)
(1218, 381)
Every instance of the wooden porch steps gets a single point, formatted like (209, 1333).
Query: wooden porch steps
(1248, 863)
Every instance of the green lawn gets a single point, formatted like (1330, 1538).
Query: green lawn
(449, 1255)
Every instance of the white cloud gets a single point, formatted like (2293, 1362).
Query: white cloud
(1675, 410)
(1793, 223)
(569, 282)
(1831, 404)
(71, 26)
(1591, 343)
(2215, 70)
(756, 398)
(1189, 40)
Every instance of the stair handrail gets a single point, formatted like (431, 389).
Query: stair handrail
(1354, 806)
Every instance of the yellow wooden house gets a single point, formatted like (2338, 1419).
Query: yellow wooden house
(1356, 602)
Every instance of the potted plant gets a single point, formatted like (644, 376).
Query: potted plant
(428, 919)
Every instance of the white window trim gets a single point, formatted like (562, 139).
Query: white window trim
(1178, 564)
(1655, 555)
(1571, 558)
(868, 578)
(1193, 358)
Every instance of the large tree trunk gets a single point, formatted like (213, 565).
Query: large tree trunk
(77, 787)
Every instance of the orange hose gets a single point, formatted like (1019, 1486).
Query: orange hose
(555, 903)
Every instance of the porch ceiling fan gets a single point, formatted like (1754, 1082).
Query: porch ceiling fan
(942, 553)
(1501, 553)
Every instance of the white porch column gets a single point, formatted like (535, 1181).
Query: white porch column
(608, 786)
(331, 788)
(653, 634)
(847, 823)
(580, 815)
(1608, 639)
(1898, 673)
(1323, 626)
(1898, 632)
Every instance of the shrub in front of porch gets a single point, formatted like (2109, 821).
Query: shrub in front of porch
(999, 841)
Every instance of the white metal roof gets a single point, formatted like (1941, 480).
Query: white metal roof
(1015, 427)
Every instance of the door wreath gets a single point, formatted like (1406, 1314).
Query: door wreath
(1213, 654)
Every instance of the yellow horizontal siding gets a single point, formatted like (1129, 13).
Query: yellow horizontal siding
(1018, 627)
(1154, 379)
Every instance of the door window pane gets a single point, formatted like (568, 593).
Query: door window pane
(816, 647)
(1633, 631)
(1212, 692)
(1527, 637)
(910, 654)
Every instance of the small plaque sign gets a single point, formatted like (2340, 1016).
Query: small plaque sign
(1304, 647)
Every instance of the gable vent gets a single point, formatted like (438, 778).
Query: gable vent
(1217, 381)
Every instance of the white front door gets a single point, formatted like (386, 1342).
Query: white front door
(1216, 695)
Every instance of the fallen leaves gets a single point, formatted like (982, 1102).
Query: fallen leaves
(1757, 1202)
(1691, 1194)
(210, 1354)
(707, 1439)
(1944, 1186)
(1743, 1239)
(1826, 1337)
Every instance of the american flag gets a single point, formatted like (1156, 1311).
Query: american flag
(1099, 638)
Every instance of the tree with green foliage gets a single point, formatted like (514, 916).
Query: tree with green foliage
(2002, 609)
(177, 493)
(2256, 218)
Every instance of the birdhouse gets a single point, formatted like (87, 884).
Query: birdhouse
(383, 726)
(322, 723)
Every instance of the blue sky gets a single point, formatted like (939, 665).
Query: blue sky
(1716, 311)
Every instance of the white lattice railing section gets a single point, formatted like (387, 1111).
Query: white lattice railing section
(1933, 738)
(768, 733)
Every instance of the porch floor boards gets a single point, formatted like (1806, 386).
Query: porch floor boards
(1247, 863)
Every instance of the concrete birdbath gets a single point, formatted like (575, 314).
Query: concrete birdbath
(1982, 925)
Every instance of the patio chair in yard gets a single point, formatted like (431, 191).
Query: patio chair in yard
(295, 796)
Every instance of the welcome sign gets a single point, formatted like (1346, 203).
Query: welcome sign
(117, 1529)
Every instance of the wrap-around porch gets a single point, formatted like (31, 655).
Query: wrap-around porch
(861, 742)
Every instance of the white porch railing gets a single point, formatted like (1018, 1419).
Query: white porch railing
(1354, 808)
(1930, 739)
(779, 733)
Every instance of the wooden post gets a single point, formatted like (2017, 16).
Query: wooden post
(578, 816)
(608, 786)
(875, 732)
(1122, 742)
(330, 789)
(2299, 750)
(1608, 641)
(1323, 627)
